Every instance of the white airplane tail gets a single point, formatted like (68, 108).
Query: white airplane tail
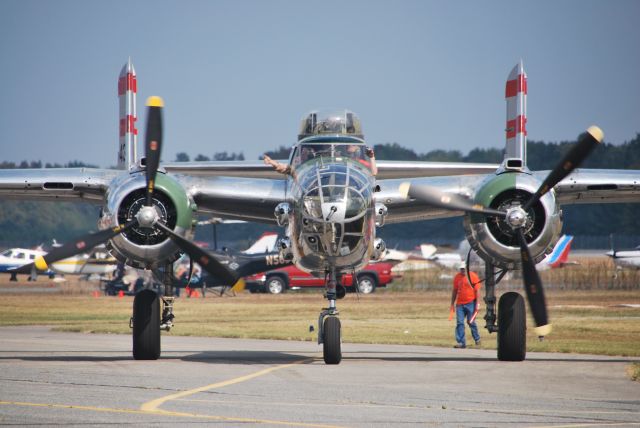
(560, 254)
(127, 89)
(427, 250)
(515, 157)
(266, 244)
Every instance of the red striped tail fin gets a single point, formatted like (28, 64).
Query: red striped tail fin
(128, 131)
(516, 126)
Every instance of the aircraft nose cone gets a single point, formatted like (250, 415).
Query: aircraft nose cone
(516, 217)
(147, 216)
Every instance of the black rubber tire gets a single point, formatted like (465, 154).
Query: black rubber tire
(275, 284)
(146, 325)
(331, 342)
(512, 328)
(367, 284)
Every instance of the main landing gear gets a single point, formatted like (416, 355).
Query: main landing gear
(151, 314)
(329, 324)
(512, 320)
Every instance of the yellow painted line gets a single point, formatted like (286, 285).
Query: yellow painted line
(153, 405)
(163, 413)
(591, 424)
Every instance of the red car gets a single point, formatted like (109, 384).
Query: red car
(290, 277)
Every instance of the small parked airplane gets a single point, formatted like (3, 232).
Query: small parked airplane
(625, 259)
(94, 262)
(14, 258)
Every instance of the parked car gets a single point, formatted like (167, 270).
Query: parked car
(277, 281)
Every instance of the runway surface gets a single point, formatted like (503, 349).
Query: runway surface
(49, 378)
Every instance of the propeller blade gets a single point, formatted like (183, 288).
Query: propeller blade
(153, 142)
(578, 153)
(449, 201)
(200, 256)
(533, 288)
(79, 245)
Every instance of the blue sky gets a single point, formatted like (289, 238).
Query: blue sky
(239, 75)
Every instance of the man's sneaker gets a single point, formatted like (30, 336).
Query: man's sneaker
(478, 342)
(459, 346)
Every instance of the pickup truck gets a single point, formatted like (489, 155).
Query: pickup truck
(290, 277)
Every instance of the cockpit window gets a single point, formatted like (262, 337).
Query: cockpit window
(337, 151)
(342, 122)
(7, 253)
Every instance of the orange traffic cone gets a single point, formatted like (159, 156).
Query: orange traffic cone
(96, 294)
(121, 294)
(195, 293)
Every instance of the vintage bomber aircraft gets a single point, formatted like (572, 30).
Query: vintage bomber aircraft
(331, 205)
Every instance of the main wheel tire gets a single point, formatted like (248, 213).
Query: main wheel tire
(275, 285)
(512, 328)
(331, 342)
(146, 325)
(366, 284)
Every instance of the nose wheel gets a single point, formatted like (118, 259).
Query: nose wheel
(329, 328)
(331, 345)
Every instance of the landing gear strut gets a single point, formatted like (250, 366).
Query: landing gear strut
(329, 324)
(148, 320)
(490, 297)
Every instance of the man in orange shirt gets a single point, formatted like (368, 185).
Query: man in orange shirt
(465, 299)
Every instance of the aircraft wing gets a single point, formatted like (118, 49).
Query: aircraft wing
(88, 184)
(250, 199)
(386, 169)
(581, 186)
(246, 169)
(588, 186)
(415, 169)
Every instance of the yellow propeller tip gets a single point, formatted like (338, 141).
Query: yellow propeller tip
(40, 263)
(596, 133)
(543, 330)
(155, 102)
(404, 189)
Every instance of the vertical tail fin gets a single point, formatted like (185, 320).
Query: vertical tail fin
(127, 89)
(265, 244)
(560, 254)
(516, 131)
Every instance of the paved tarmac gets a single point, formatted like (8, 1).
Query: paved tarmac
(49, 378)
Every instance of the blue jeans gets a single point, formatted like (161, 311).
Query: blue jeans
(462, 312)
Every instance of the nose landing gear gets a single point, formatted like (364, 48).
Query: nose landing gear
(329, 327)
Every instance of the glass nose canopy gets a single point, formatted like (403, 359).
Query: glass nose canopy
(335, 204)
(337, 193)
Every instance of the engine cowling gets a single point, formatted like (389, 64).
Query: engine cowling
(494, 240)
(144, 247)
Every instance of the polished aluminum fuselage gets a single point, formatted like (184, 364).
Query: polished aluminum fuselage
(332, 224)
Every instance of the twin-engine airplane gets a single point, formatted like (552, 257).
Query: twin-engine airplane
(331, 204)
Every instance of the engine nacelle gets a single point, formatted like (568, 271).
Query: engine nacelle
(494, 240)
(144, 247)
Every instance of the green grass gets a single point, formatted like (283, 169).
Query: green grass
(417, 318)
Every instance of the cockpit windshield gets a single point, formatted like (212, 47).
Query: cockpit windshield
(334, 151)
